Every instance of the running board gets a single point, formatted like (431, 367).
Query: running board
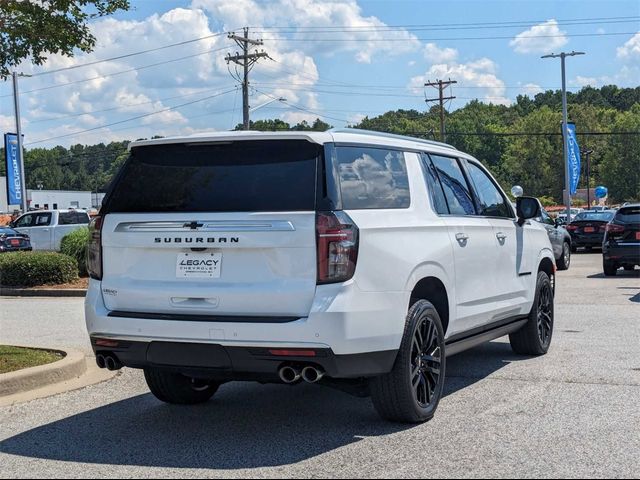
(466, 341)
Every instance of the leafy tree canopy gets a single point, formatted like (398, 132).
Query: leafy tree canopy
(36, 29)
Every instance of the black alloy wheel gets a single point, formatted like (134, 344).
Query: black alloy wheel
(545, 314)
(426, 361)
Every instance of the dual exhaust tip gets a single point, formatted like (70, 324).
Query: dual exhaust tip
(110, 362)
(290, 375)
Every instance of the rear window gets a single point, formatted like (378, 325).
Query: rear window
(372, 178)
(244, 176)
(594, 217)
(629, 214)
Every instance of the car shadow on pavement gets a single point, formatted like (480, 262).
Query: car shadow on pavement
(244, 426)
(619, 275)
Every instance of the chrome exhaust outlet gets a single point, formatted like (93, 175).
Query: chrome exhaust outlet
(312, 374)
(112, 363)
(289, 375)
(100, 361)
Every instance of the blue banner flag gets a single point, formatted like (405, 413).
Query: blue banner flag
(14, 169)
(573, 158)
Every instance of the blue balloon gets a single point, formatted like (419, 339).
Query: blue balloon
(601, 192)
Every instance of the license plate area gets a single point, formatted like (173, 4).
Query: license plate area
(637, 235)
(14, 242)
(589, 230)
(199, 265)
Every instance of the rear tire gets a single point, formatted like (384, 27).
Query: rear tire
(411, 392)
(629, 268)
(565, 259)
(610, 268)
(174, 388)
(534, 338)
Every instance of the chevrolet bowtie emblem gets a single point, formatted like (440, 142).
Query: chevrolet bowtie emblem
(193, 225)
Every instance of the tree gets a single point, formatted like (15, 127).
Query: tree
(30, 29)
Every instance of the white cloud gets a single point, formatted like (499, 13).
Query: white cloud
(363, 37)
(435, 54)
(631, 49)
(543, 38)
(532, 89)
(478, 73)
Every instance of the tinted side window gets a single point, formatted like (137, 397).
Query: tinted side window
(42, 219)
(435, 188)
(492, 202)
(372, 178)
(455, 186)
(629, 215)
(82, 218)
(67, 218)
(24, 221)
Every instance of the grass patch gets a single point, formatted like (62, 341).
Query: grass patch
(17, 358)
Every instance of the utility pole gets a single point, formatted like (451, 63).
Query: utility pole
(16, 105)
(246, 60)
(565, 136)
(441, 85)
(587, 154)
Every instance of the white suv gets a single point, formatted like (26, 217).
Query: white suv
(354, 259)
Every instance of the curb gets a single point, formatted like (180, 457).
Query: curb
(50, 292)
(72, 366)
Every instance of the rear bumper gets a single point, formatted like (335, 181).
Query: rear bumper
(587, 240)
(357, 332)
(622, 253)
(15, 249)
(227, 363)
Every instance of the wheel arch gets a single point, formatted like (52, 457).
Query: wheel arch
(433, 290)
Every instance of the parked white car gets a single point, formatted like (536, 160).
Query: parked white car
(47, 228)
(354, 259)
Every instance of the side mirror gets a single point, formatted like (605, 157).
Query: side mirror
(527, 208)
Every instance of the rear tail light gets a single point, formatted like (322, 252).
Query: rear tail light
(603, 228)
(614, 228)
(337, 244)
(94, 251)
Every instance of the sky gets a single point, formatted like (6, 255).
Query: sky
(335, 60)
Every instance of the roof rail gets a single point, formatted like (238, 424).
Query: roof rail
(358, 131)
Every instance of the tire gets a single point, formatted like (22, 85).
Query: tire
(421, 361)
(564, 261)
(534, 338)
(610, 268)
(629, 268)
(574, 249)
(176, 389)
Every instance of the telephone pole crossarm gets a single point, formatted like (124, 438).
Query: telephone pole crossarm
(441, 85)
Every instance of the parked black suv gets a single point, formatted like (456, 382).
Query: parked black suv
(621, 247)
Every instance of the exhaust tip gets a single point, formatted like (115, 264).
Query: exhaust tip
(289, 375)
(101, 362)
(312, 374)
(112, 363)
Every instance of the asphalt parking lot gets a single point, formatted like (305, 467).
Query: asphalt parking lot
(573, 413)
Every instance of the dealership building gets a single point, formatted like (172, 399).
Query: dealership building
(51, 199)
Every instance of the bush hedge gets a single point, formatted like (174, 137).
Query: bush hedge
(30, 269)
(75, 245)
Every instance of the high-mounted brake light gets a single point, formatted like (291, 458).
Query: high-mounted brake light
(337, 244)
(94, 251)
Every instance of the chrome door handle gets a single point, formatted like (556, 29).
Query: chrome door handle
(462, 237)
(501, 236)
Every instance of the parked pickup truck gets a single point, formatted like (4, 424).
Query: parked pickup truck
(46, 228)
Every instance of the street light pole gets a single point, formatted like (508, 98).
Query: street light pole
(565, 121)
(16, 106)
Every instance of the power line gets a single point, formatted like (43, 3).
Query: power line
(120, 107)
(99, 77)
(453, 25)
(447, 39)
(130, 119)
(128, 55)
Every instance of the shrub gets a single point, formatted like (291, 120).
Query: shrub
(75, 245)
(30, 269)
